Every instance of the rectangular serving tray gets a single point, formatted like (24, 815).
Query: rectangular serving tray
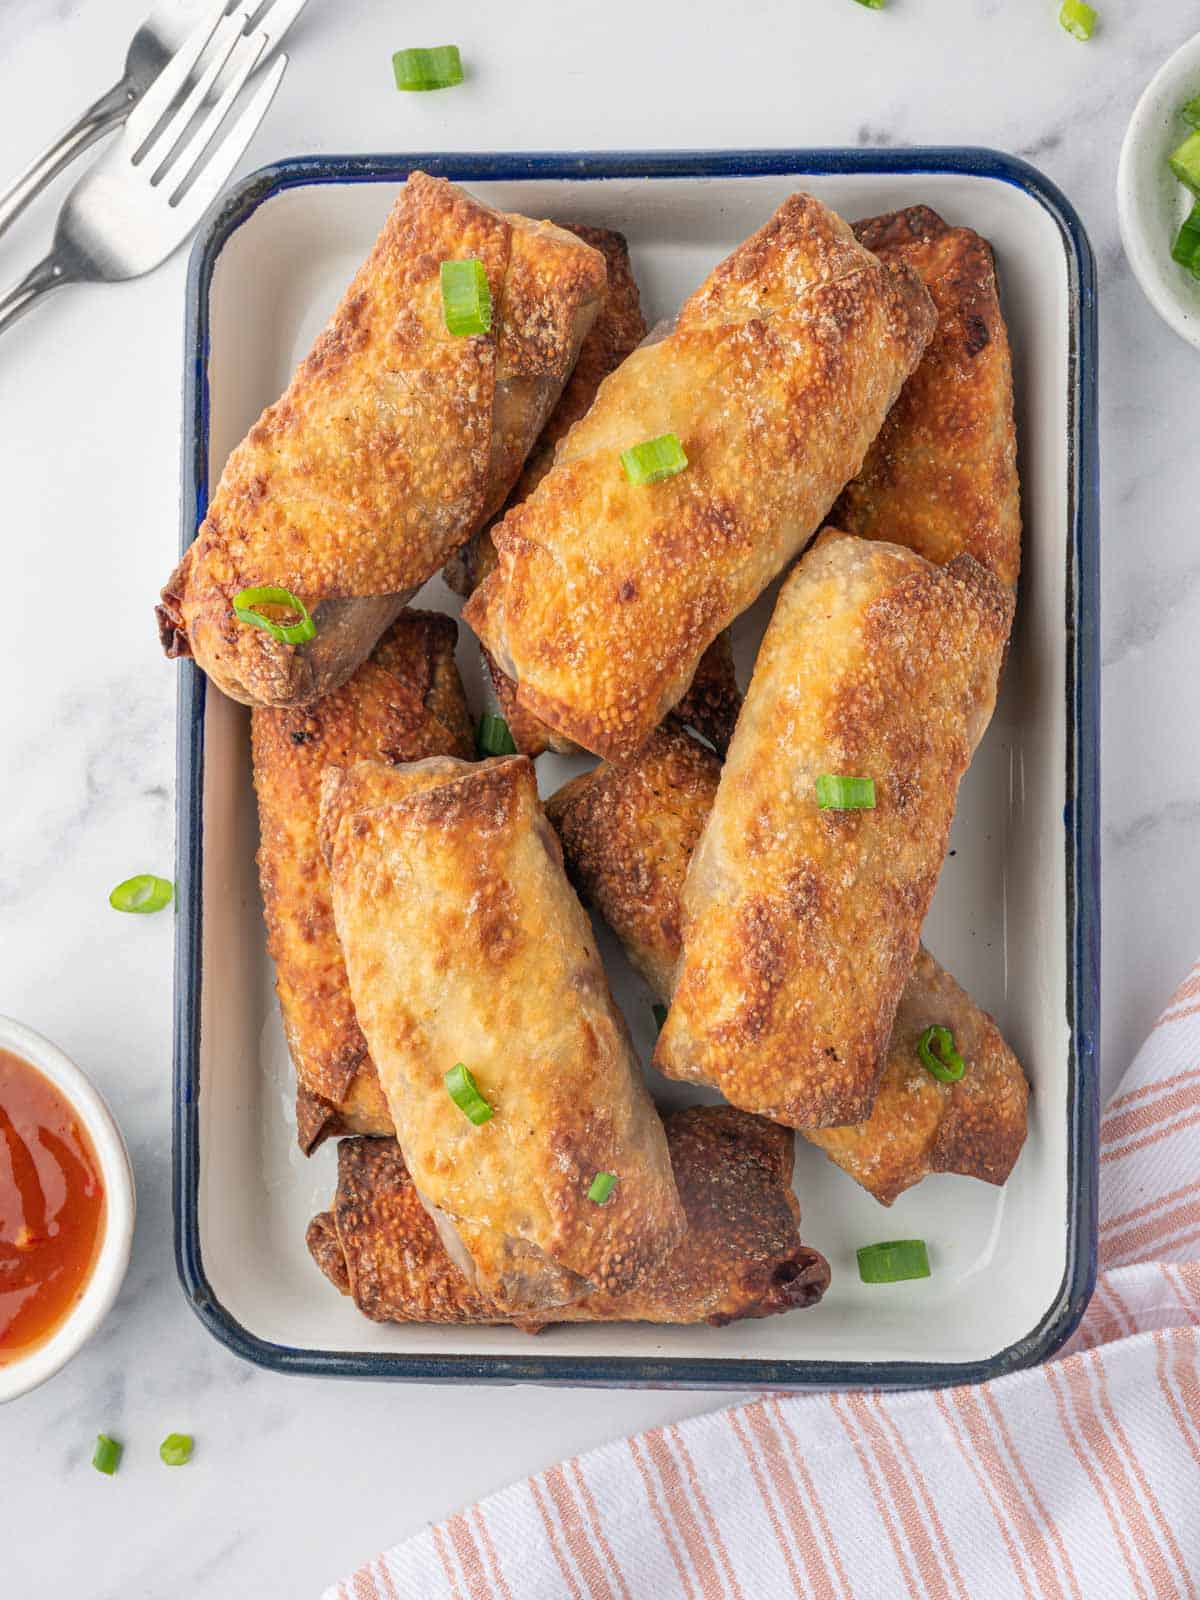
(1017, 914)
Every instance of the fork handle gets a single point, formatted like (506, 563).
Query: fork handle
(49, 273)
(108, 112)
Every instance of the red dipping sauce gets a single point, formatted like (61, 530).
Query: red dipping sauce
(51, 1208)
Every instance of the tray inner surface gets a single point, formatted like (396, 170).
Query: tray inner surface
(999, 920)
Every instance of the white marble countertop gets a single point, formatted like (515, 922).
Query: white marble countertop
(295, 1480)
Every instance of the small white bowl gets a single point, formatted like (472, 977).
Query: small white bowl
(18, 1377)
(1151, 201)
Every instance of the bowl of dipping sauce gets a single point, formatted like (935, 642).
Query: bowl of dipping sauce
(66, 1209)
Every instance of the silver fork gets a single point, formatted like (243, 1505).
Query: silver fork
(146, 194)
(151, 47)
(160, 36)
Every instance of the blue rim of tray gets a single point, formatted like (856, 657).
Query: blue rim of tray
(1081, 817)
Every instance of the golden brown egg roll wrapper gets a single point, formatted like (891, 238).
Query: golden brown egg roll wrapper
(530, 734)
(800, 924)
(776, 376)
(618, 329)
(711, 703)
(363, 1109)
(713, 700)
(942, 475)
(740, 1257)
(628, 833)
(921, 1125)
(406, 702)
(464, 942)
(394, 441)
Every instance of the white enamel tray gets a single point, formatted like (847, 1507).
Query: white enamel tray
(1016, 918)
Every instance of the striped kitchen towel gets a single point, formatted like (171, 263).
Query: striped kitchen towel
(1079, 1480)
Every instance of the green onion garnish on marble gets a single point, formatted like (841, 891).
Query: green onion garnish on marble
(420, 70)
(142, 894)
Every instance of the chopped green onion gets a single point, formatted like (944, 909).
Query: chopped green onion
(439, 68)
(267, 594)
(660, 1015)
(466, 298)
(1186, 249)
(143, 893)
(845, 794)
(494, 738)
(938, 1054)
(872, 5)
(1184, 162)
(464, 1091)
(107, 1454)
(893, 1261)
(1191, 111)
(654, 459)
(603, 1185)
(1077, 18)
(176, 1449)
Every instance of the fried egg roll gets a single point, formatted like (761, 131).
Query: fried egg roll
(800, 923)
(628, 834)
(618, 329)
(941, 477)
(740, 1257)
(711, 703)
(406, 702)
(919, 1124)
(775, 378)
(393, 443)
(713, 699)
(465, 944)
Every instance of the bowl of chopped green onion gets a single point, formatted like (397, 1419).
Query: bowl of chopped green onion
(1158, 192)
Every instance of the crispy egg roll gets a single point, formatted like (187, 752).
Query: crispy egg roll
(394, 441)
(406, 702)
(713, 699)
(628, 833)
(800, 924)
(618, 329)
(941, 477)
(919, 1124)
(776, 376)
(711, 703)
(464, 942)
(740, 1257)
